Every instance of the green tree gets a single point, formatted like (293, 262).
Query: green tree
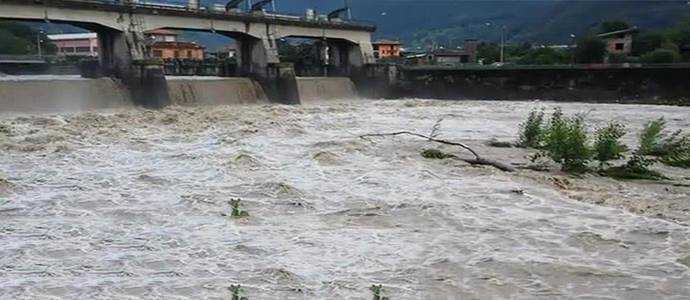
(590, 49)
(544, 56)
(18, 38)
(489, 53)
(661, 56)
(647, 42)
(615, 25)
(11, 44)
(680, 34)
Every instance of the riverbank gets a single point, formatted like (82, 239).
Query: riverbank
(122, 202)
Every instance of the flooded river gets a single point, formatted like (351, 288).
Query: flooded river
(134, 204)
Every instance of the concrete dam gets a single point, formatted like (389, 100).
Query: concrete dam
(74, 93)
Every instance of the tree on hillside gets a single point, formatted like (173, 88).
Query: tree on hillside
(11, 44)
(590, 49)
(615, 25)
(17, 38)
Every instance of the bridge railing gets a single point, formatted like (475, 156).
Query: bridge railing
(18, 58)
(212, 10)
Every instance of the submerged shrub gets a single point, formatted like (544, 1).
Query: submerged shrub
(532, 130)
(499, 144)
(607, 145)
(237, 292)
(566, 142)
(377, 291)
(676, 150)
(436, 154)
(651, 137)
(673, 149)
(237, 212)
(636, 168)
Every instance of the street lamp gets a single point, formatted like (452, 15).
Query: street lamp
(503, 40)
(573, 44)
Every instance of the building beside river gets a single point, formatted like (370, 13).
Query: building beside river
(76, 44)
(165, 44)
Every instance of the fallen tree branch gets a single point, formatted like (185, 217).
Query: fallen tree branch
(478, 160)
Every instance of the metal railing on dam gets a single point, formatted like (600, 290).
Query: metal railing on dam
(173, 9)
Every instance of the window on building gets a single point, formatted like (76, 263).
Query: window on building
(619, 46)
(67, 49)
(464, 58)
(83, 49)
(157, 53)
(177, 54)
(189, 54)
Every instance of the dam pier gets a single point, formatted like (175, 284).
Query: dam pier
(123, 55)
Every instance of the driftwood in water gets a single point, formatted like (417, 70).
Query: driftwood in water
(477, 160)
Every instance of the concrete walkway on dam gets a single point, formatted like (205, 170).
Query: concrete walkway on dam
(49, 93)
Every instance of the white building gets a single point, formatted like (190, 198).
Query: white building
(75, 44)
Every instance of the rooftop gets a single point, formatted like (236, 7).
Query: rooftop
(617, 32)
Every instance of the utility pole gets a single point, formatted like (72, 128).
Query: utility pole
(38, 43)
(503, 42)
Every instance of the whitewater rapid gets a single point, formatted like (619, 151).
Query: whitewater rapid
(132, 203)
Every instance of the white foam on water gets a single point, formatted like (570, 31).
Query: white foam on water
(134, 203)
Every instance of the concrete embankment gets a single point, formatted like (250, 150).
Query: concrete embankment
(60, 93)
(625, 83)
(316, 89)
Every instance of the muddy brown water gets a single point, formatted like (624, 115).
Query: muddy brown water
(132, 204)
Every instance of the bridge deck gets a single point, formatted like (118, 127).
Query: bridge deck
(181, 11)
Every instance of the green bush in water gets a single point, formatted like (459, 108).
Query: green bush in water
(236, 292)
(651, 137)
(436, 154)
(377, 290)
(607, 145)
(566, 142)
(532, 130)
(636, 168)
(673, 149)
(237, 212)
